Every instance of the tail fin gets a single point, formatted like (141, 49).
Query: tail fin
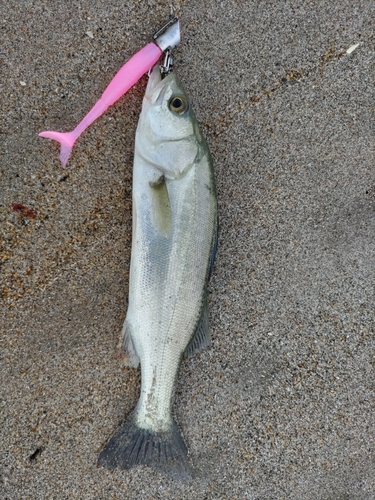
(66, 139)
(131, 445)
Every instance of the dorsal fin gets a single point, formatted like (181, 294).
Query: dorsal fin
(201, 339)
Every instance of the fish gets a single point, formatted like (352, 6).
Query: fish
(174, 241)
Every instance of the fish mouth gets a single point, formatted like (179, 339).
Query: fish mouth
(157, 86)
(153, 81)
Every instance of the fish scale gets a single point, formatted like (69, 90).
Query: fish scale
(174, 238)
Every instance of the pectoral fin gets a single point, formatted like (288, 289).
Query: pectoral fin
(161, 207)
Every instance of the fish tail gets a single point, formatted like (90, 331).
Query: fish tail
(131, 445)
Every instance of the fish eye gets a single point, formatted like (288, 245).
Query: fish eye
(178, 104)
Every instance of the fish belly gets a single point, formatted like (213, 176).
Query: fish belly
(169, 266)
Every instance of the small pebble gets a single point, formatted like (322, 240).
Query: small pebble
(352, 48)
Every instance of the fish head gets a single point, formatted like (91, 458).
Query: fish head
(168, 135)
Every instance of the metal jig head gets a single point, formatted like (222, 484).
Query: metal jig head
(167, 38)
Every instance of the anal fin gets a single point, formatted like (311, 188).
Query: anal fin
(127, 344)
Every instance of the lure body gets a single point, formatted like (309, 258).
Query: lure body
(174, 240)
(166, 38)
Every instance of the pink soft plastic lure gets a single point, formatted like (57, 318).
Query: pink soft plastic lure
(166, 38)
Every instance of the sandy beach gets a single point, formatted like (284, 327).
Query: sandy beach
(282, 405)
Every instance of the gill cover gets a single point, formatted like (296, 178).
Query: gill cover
(166, 134)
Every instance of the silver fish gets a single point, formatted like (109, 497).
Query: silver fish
(173, 248)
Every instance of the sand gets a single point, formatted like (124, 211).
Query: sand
(282, 405)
